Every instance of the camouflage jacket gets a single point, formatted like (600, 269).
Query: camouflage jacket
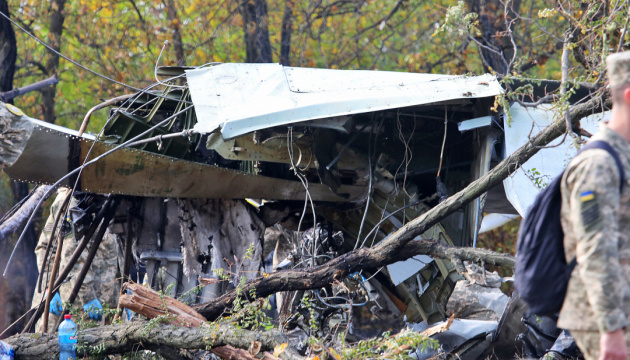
(596, 223)
(101, 281)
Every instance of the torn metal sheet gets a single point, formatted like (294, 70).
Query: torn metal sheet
(50, 154)
(242, 98)
(523, 185)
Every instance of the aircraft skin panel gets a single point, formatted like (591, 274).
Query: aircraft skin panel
(47, 157)
(242, 98)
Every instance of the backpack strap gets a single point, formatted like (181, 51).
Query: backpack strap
(601, 144)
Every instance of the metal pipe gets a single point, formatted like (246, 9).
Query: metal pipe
(8, 95)
(166, 136)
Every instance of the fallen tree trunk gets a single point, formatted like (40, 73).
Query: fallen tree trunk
(22, 213)
(399, 245)
(342, 266)
(158, 337)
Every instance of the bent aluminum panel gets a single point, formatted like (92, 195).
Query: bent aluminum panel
(44, 159)
(241, 98)
(523, 185)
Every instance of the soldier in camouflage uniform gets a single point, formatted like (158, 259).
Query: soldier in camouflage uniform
(596, 223)
(102, 280)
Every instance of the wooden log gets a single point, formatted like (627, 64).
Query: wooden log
(151, 304)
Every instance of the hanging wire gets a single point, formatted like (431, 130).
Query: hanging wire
(307, 198)
(371, 153)
(444, 140)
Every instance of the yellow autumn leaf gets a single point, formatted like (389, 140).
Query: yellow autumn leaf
(334, 353)
(279, 349)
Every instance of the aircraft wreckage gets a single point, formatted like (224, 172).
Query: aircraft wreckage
(349, 155)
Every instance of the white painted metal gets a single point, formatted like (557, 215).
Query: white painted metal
(474, 123)
(521, 188)
(241, 98)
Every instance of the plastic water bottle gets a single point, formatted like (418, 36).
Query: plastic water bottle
(67, 339)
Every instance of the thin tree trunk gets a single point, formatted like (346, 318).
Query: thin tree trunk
(171, 15)
(285, 33)
(255, 27)
(52, 60)
(8, 51)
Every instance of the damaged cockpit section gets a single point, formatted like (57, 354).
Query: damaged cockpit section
(253, 168)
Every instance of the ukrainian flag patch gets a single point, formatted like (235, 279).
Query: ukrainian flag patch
(591, 217)
(587, 196)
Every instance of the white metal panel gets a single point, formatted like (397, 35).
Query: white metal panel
(241, 98)
(474, 123)
(520, 187)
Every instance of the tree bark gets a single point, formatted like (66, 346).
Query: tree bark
(8, 50)
(171, 15)
(26, 271)
(399, 245)
(150, 304)
(255, 27)
(52, 60)
(496, 48)
(285, 33)
(158, 337)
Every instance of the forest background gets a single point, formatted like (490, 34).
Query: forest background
(123, 39)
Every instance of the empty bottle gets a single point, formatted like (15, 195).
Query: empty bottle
(67, 339)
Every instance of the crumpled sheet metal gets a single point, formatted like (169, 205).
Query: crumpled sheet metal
(46, 158)
(242, 98)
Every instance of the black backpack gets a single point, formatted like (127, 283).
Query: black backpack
(541, 273)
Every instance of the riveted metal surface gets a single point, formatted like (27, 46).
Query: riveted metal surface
(44, 158)
(136, 172)
(127, 171)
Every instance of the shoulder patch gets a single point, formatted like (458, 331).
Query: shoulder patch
(589, 209)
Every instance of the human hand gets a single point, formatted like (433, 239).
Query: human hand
(94, 309)
(612, 346)
(56, 307)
